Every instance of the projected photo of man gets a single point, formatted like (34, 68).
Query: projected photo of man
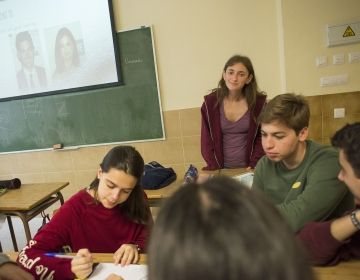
(30, 77)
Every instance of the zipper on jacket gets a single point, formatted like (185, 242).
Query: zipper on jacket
(256, 132)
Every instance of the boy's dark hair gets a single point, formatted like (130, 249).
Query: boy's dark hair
(348, 140)
(289, 109)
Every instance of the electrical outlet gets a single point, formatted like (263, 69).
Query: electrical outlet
(339, 113)
(334, 80)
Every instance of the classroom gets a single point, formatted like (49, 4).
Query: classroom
(192, 40)
(282, 46)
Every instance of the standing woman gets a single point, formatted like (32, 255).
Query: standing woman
(109, 216)
(230, 135)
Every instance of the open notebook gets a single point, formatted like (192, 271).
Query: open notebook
(130, 272)
(245, 178)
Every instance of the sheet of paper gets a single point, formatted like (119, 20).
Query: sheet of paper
(130, 272)
(246, 178)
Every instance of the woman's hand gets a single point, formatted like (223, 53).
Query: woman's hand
(82, 264)
(126, 254)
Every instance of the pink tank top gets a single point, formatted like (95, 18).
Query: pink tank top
(234, 139)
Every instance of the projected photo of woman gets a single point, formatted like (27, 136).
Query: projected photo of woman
(67, 59)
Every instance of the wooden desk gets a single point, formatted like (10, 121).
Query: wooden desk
(98, 257)
(343, 271)
(232, 171)
(29, 201)
(155, 197)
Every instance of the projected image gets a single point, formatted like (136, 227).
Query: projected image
(47, 48)
(67, 55)
(67, 58)
(31, 77)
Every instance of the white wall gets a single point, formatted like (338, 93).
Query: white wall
(305, 38)
(194, 38)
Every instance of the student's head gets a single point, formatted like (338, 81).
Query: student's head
(347, 139)
(284, 126)
(118, 182)
(238, 75)
(25, 49)
(288, 109)
(222, 230)
(66, 52)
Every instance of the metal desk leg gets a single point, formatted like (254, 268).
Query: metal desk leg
(25, 222)
(13, 238)
(60, 196)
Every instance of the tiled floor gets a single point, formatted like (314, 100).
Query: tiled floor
(19, 232)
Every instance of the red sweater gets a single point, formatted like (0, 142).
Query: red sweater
(79, 223)
(323, 248)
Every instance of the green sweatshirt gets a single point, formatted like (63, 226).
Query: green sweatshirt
(310, 192)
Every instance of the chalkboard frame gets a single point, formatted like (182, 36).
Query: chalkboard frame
(39, 123)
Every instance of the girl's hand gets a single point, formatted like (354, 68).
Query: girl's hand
(127, 254)
(82, 264)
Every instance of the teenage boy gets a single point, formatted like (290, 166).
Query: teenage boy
(332, 241)
(298, 175)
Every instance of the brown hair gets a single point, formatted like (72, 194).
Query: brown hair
(289, 109)
(220, 229)
(250, 90)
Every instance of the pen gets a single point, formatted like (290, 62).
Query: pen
(57, 255)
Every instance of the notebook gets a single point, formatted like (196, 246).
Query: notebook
(129, 272)
(245, 178)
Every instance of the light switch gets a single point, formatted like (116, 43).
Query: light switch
(354, 57)
(338, 58)
(321, 61)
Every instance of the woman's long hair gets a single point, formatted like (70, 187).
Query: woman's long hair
(129, 160)
(59, 61)
(250, 90)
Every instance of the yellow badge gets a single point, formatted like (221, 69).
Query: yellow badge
(296, 185)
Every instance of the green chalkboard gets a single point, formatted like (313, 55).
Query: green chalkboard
(130, 112)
